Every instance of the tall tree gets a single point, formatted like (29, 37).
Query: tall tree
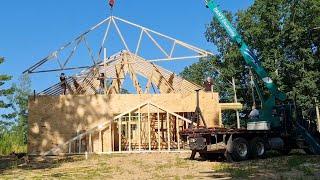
(4, 106)
(19, 101)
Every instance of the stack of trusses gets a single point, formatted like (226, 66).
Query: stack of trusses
(116, 69)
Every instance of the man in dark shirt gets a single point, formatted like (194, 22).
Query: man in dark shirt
(63, 82)
(101, 79)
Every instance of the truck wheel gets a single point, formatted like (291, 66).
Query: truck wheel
(257, 148)
(238, 149)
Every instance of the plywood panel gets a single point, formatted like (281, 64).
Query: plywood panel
(56, 119)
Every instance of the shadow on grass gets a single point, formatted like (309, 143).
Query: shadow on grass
(35, 163)
(274, 166)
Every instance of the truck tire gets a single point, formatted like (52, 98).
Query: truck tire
(257, 148)
(238, 149)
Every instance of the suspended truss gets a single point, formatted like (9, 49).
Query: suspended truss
(96, 57)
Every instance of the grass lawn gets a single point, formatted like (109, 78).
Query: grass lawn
(160, 166)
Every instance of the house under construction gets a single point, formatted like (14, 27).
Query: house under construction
(95, 120)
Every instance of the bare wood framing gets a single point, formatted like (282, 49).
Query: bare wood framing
(129, 134)
(139, 128)
(159, 140)
(100, 141)
(177, 132)
(168, 131)
(149, 128)
(120, 132)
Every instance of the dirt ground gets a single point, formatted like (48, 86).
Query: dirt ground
(160, 166)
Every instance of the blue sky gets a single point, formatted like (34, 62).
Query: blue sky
(32, 29)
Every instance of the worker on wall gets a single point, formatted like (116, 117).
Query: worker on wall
(63, 83)
(208, 84)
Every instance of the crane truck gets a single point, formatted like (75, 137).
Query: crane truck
(278, 127)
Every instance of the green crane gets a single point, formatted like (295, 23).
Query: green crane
(251, 59)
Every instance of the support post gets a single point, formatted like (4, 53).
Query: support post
(220, 116)
(100, 141)
(159, 140)
(149, 128)
(111, 136)
(139, 128)
(80, 144)
(90, 143)
(168, 132)
(119, 133)
(236, 101)
(129, 133)
(105, 68)
(177, 132)
(70, 147)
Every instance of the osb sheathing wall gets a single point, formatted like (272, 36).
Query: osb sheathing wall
(54, 120)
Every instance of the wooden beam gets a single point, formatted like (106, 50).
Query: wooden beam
(111, 136)
(119, 133)
(220, 117)
(139, 128)
(90, 143)
(134, 78)
(80, 144)
(149, 128)
(70, 148)
(120, 75)
(168, 131)
(149, 83)
(129, 133)
(177, 132)
(231, 106)
(159, 140)
(100, 141)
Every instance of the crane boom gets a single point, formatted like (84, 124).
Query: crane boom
(250, 58)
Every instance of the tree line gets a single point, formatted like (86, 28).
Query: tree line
(13, 116)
